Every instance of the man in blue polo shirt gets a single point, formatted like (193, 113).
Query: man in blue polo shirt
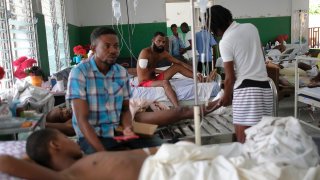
(99, 91)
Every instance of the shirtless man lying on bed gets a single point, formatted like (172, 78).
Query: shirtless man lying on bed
(60, 118)
(59, 158)
(146, 67)
(165, 116)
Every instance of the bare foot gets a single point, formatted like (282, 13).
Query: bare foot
(212, 76)
(200, 77)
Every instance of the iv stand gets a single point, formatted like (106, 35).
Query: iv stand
(196, 107)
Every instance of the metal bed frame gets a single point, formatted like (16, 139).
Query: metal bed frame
(214, 128)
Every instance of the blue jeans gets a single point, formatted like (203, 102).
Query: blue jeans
(112, 145)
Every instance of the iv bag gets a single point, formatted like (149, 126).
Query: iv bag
(135, 4)
(116, 9)
(203, 5)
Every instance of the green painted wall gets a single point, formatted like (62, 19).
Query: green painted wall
(74, 37)
(140, 39)
(42, 43)
(269, 27)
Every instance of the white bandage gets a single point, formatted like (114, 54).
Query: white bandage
(143, 63)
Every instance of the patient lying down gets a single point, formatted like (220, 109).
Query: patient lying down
(275, 148)
(58, 157)
(60, 118)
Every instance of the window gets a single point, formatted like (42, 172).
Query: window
(18, 35)
(57, 34)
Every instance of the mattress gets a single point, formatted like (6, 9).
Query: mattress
(184, 89)
(311, 92)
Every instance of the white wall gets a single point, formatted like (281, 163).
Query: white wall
(180, 12)
(99, 12)
(177, 13)
(257, 8)
(72, 15)
(299, 29)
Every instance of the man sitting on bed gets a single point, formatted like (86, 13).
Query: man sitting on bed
(146, 67)
(99, 92)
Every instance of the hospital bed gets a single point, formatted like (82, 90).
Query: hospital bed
(13, 148)
(310, 96)
(215, 128)
(184, 89)
(183, 86)
(17, 148)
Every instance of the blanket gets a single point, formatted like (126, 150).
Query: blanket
(32, 97)
(184, 89)
(275, 148)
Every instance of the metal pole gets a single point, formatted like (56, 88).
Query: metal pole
(194, 61)
(196, 108)
(296, 88)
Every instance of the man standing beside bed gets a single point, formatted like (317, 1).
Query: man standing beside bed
(246, 83)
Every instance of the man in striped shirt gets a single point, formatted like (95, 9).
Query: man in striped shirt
(99, 91)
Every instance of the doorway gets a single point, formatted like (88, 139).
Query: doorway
(314, 24)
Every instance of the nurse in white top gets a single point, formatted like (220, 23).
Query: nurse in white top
(246, 83)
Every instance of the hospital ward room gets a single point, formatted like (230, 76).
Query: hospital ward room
(160, 89)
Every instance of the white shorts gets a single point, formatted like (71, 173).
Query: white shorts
(250, 104)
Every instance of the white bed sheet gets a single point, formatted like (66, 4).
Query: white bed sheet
(184, 89)
(313, 92)
(13, 148)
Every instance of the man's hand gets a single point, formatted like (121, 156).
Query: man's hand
(226, 100)
(128, 134)
(127, 131)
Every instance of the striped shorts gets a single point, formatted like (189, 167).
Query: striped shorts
(250, 104)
